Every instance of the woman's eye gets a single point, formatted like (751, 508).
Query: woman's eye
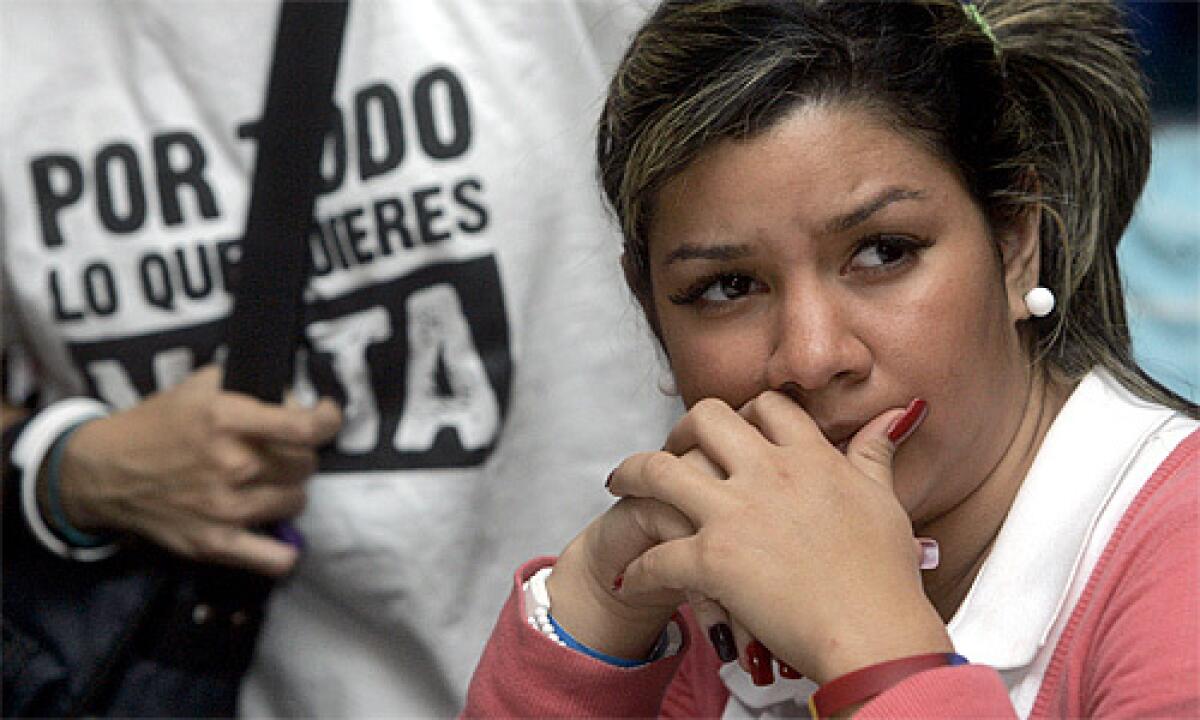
(882, 251)
(727, 287)
(716, 290)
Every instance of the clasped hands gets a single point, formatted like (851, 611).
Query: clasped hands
(753, 515)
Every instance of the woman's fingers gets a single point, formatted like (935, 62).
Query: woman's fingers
(223, 544)
(872, 450)
(716, 624)
(664, 477)
(269, 503)
(781, 420)
(754, 658)
(671, 565)
(281, 463)
(730, 437)
(251, 550)
(697, 459)
(247, 417)
(620, 535)
(714, 427)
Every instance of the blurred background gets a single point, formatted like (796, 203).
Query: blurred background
(1160, 254)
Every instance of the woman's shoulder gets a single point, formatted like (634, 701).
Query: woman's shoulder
(1170, 499)
(1131, 642)
(1159, 532)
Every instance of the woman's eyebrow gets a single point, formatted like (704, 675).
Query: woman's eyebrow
(707, 252)
(841, 223)
(873, 205)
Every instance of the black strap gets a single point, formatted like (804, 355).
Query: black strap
(265, 328)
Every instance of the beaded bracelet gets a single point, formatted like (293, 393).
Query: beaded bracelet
(58, 517)
(865, 683)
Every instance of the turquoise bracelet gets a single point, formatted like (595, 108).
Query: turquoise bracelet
(58, 517)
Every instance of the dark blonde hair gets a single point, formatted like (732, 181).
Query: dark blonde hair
(1042, 105)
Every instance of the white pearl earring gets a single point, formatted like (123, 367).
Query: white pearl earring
(1039, 301)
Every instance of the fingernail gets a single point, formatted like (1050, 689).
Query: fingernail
(904, 425)
(721, 637)
(788, 671)
(760, 664)
(286, 532)
(609, 480)
(931, 554)
(618, 581)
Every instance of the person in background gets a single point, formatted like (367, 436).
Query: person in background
(453, 400)
(921, 474)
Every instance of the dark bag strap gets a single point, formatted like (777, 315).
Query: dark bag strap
(265, 327)
(262, 334)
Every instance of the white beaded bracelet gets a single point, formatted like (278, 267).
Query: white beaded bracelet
(537, 605)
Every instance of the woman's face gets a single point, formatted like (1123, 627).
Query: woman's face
(842, 262)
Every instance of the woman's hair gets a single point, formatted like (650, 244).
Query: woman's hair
(1038, 104)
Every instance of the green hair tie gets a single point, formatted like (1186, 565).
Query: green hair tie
(977, 18)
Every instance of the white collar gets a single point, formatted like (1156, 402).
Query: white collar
(1013, 603)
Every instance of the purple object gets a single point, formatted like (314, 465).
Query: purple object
(287, 532)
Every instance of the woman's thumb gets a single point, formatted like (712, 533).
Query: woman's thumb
(872, 449)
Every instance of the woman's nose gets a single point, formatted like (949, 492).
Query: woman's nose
(816, 344)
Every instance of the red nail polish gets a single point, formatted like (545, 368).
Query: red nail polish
(787, 671)
(609, 480)
(618, 581)
(904, 425)
(760, 664)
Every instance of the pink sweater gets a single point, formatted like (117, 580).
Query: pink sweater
(1131, 647)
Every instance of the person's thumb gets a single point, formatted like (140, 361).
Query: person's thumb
(873, 447)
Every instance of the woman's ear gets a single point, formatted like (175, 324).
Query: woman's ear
(1020, 251)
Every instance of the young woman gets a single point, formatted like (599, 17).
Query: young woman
(876, 242)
